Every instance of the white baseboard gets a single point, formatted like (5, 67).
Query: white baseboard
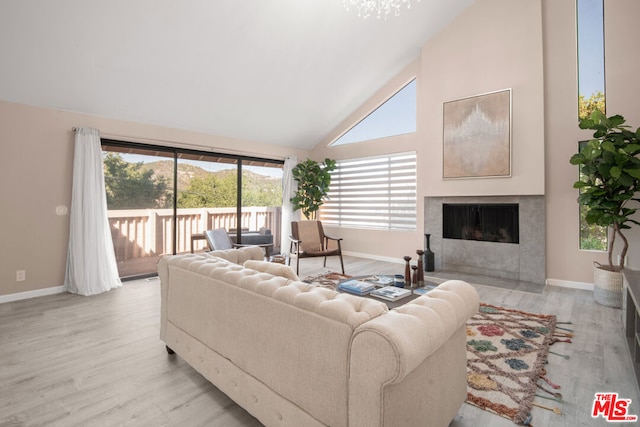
(550, 282)
(31, 294)
(570, 284)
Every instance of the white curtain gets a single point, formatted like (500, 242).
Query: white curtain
(91, 261)
(289, 187)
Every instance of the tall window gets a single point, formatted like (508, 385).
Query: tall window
(160, 200)
(373, 192)
(591, 93)
(396, 116)
(590, 29)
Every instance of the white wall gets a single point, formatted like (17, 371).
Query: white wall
(493, 45)
(622, 54)
(564, 259)
(36, 170)
(529, 46)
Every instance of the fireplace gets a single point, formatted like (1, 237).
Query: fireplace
(466, 236)
(490, 222)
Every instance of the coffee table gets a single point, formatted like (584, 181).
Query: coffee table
(390, 304)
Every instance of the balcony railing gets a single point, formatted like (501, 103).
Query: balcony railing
(141, 236)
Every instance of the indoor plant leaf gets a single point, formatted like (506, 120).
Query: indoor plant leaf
(610, 175)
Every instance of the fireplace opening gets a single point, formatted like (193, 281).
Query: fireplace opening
(485, 222)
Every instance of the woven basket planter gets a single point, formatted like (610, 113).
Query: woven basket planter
(607, 286)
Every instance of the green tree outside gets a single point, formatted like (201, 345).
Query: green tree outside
(592, 237)
(220, 190)
(257, 190)
(587, 105)
(215, 190)
(128, 186)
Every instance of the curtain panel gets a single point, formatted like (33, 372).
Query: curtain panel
(289, 187)
(91, 262)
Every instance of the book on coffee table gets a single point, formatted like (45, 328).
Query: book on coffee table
(358, 287)
(379, 280)
(391, 293)
(425, 289)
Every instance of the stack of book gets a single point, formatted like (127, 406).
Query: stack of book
(391, 293)
(358, 287)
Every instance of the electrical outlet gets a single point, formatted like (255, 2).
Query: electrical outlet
(21, 276)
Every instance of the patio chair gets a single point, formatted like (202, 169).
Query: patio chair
(308, 240)
(219, 240)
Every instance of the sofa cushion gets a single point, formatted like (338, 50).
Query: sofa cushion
(239, 255)
(272, 268)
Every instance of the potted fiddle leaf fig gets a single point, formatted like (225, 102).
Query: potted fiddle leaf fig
(313, 180)
(609, 180)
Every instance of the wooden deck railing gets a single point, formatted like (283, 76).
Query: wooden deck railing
(141, 233)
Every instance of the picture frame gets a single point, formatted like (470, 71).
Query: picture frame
(477, 136)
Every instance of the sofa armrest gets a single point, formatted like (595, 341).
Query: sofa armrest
(387, 349)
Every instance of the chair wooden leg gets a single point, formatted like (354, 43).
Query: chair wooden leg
(289, 254)
(297, 265)
(341, 264)
(325, 262)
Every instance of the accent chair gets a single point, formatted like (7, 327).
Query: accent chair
(219, 240)
(308, 240)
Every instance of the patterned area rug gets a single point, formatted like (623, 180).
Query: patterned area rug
(506, 353)
(327, 279)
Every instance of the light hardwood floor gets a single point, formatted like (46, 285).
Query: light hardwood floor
(69, 360)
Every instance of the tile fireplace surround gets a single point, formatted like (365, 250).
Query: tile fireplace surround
(522, 262)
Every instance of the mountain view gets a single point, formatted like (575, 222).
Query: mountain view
(199, 185)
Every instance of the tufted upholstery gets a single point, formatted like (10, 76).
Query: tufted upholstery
(294, 354)
(239, 255)
(272, 268)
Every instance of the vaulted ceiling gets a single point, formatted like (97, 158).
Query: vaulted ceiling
(273, 71)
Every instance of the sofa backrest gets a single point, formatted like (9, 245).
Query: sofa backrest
(239, 255)
(293, 336)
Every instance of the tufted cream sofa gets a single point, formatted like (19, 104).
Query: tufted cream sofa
(293, 354)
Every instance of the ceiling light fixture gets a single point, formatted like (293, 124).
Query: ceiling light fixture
(380, 8)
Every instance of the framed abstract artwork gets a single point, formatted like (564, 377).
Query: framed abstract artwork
(477, 136)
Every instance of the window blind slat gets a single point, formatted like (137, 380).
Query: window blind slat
(375, 192)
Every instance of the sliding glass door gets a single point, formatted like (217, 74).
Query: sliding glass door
(139, 191)
(161, 200)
